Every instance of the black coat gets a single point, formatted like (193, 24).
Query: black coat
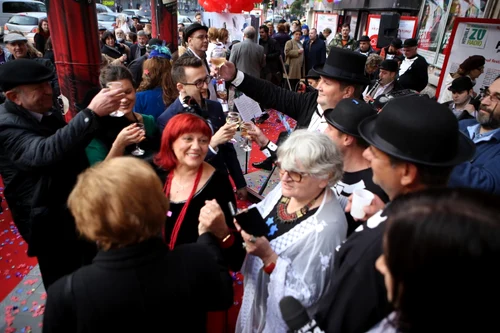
(39, 164)
(300, 107)
(142, 288)
(415, 77)
(133, 51)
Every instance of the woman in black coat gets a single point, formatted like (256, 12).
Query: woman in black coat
(135, 283)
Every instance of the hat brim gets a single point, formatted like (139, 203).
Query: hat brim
(341, 128)
(190, 32)
(466, 148)
(351, 79)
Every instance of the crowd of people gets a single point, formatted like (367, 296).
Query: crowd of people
(127, 207)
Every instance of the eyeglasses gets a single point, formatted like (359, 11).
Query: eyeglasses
(295, 176)
(199, 83)
(202, 37)
(493, 97)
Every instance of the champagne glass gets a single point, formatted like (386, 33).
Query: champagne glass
(245, 127)
(233, 118)
(138, 151)
(113, 85)
(218, 59)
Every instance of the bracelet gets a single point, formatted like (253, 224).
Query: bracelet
(269, 268)
(227, 241)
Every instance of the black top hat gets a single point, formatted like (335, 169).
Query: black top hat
(347, 115)
(192, 28)
(389, 65)
(460, 84)
(410, 42)
(344, 65)
(397, 43)
(312, 74)
(23, 71)
(419, 130)
(364, 39)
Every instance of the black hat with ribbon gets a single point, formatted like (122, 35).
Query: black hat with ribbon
(344, 65)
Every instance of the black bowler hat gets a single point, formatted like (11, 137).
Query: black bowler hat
(344, 65)
(192, 28)
(364, 39)
(23, 71)
(312, 75)
(410, 42)
(397, 43)
(347, 115)
(460, 84)
(389, 65)
(419, 130)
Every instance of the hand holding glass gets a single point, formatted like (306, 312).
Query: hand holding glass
(138, 151)
(113, 86)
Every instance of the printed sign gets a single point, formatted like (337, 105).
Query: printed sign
(474, 36)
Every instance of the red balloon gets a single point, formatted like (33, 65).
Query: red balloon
(249, 6)
(329, 1)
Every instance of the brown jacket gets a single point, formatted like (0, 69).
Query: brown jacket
(295, 60)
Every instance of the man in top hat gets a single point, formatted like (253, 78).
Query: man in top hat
(342, 76)
(197, 40)
(392, 51)
(342, 128)
(40, 159)
(364, 46)
(414, 144)
(413, 70)
(461, 90)
(482, 171)
(386, 83)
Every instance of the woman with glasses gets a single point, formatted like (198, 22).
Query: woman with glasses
(121, 136)
(306, 224)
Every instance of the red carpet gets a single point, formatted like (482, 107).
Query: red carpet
(14, 263)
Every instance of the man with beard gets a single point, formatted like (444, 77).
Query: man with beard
(139, 49)
(482, 171)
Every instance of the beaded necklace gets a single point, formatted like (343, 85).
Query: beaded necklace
(283, 216)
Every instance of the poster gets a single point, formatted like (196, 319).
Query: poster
(323, 21)
(234, 23)
(430, 25)
(474, 37)
(407, 28)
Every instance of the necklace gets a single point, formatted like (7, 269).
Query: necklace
(179, 185)
(285, 217)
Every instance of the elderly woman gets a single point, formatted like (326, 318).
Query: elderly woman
(120, 136)
(294, 55)
(157, 90)
(120, 205)
(472, 67)
(440, 262)
(195, 189)
(306, 224)
(112, 49)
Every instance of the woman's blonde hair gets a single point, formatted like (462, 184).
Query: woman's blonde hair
(213, 34)
(119, 202)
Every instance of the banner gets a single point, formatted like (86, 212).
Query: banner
(322, 21)
(234, 23)
(407, 28)
(474, 37)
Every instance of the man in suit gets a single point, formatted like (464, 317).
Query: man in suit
(40, 159)
(314, 50)
(139, 49)
(413, 70)
(248, 56)
(387, 81)
(197, 40)
(135, 66)
(192, 82)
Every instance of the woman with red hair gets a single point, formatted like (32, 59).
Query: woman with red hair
(197, 192)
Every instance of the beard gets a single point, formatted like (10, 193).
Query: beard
(486, 117)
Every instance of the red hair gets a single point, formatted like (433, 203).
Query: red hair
(178, 125)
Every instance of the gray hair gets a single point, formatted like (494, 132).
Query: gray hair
(249, 32)
(312, 152)
(141, 33)
(374, 60)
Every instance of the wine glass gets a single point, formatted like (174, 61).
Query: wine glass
(233, 118)
(113, 85)
(245, 127)
(218, 58)
(138, 151)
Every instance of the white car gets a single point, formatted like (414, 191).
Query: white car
(187, 21)
(106, 20)
(26, 23)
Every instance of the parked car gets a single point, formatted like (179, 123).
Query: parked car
(184, 19)
(137, 12)
(101, 9)
(10, 7)
(27, 23)
(107, 20)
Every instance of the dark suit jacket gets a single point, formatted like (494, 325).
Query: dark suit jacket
(142, 288)
(133, 50)
(415, 77)
(226, 158)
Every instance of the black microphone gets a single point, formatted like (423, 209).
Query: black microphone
(296, 318)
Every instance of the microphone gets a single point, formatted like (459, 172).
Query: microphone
(296, 318)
